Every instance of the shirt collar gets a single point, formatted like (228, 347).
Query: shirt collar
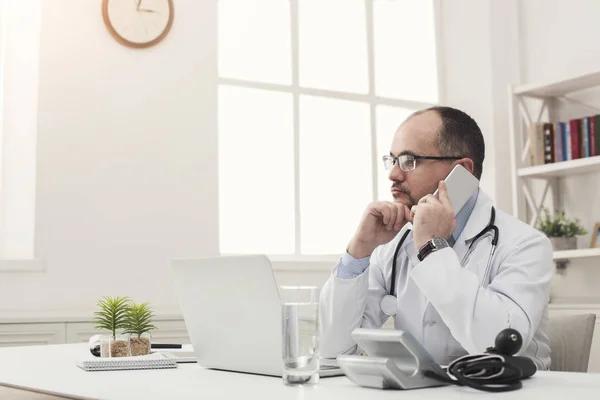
(462, 217)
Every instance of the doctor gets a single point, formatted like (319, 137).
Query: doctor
(441, 292)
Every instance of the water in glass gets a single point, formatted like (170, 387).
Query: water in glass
(300, 335)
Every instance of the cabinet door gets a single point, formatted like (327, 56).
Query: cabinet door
(172, 331)
(80, 331)
(168, 331)
(31, 334)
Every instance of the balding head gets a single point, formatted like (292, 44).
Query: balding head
(459, 135)
(434, 132)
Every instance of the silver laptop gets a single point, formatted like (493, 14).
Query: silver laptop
(232, 311)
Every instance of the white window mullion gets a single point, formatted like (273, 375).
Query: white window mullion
(372, 102)
(349, 102)
(332, 94)
(296, 115)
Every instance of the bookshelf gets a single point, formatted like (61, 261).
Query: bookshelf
(527, 202)
(559, 88)
(579, 253)
(561, 169)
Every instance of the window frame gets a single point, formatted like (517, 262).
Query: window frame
(29, 263)
(370, 98)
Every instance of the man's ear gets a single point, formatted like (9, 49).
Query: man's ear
(467, 163)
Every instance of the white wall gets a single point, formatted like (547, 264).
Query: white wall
(488, 45)
(466, 69)
(480, 59)
(127, 141)
(558, 40)
(127, 151)
(126, 174)
(566, 46)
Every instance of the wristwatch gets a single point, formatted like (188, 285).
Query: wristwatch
(435, 244)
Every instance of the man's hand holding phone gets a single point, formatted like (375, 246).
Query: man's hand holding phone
(432, 217)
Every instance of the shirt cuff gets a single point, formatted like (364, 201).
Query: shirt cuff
(349, 267)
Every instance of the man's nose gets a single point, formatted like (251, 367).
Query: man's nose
(396, 174)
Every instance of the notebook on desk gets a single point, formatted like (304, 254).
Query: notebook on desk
(183, 355)
(151, 361)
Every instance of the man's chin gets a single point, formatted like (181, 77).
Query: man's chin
(402, 198)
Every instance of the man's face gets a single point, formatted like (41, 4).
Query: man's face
(418, 136)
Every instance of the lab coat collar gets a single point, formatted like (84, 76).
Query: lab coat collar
(479, 219)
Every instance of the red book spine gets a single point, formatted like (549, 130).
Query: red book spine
(575, 138)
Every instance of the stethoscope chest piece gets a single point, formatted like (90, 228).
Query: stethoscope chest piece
(389, 305)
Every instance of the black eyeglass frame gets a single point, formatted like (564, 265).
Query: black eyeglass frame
(396, 160)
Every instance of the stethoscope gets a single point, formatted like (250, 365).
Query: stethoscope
(389, 302)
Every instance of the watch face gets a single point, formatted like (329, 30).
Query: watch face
(438, 242)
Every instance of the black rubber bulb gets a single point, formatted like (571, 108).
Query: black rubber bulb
(508, 342)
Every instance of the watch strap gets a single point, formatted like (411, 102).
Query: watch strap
(425, 250)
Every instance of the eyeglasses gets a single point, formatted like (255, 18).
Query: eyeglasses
(408, 162)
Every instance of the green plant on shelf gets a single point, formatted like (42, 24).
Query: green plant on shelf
(558, 225)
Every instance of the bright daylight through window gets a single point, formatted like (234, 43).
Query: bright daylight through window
(310, 94)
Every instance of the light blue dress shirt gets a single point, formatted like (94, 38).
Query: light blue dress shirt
(349, 267)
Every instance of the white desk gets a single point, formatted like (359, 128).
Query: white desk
(52, 369)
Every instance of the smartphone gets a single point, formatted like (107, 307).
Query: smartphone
(461, 185)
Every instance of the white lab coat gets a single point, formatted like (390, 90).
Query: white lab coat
(441, 300)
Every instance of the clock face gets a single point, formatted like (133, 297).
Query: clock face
(138, 23)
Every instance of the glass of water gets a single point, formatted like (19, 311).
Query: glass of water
(300, 334)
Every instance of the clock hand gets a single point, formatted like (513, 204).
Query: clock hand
(138, 5)
(148, 11)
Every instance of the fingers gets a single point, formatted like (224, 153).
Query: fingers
(413, 211)
(400, 216)
(385, 213)
(393, 215)
(408, 214)
(443, 195)
(429, 199)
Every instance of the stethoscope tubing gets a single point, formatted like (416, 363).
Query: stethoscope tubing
(490, 227)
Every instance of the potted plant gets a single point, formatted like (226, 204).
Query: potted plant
(561, 230)
(138, 323)
(112, 317)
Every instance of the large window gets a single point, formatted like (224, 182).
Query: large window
(310, 95)
(20, 24)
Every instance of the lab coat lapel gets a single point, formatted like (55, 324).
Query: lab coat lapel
(480, 217)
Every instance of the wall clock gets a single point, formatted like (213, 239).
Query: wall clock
(138, 23)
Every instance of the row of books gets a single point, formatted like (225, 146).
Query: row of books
(563, 141)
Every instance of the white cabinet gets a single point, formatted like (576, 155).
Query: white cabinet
(173, 331)
(24, 334)
(168, 331)
(31, 334)
(80, 331)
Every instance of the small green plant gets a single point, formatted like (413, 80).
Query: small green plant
(138, 319)
(113, 313)
(559, 226)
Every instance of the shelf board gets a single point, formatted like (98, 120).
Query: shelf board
(560, 169)
(578, 253)
(559, 88)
